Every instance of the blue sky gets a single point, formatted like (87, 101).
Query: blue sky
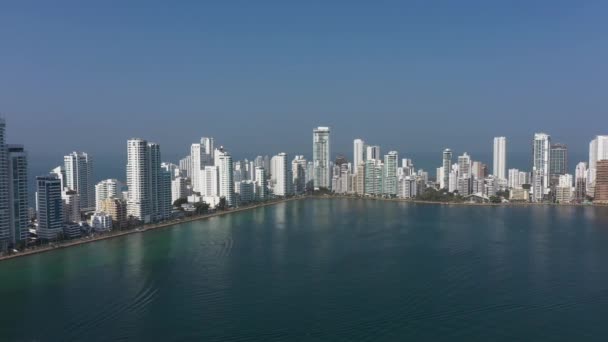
(413, 76)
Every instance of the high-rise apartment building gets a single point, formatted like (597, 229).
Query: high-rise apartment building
(149, 188)
(18, 193)
(580, 182)
(78, 168)
(282, 175)
(601, 182)
(298, 171)
(558, 162)
(391, 163)
(4, 191)
(500, 158)
(107, 188)
(261, 186)
(320, 158)
(50, 207)
(226, 177)
(372, 152)
(358, 153)
(447, 167)
(541, 150)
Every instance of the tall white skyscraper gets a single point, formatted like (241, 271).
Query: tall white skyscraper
(447, 167)
(196, 157)
(108, 188)
(540, 168)
(79, 177)
(282, 175)
(261, 186)
(372, 152)
(500, 158)
(210, 182)
(320, 158)
(358, 153)
(4, 191)
(514, 179)
(598, 150)
(178, 189)
(226, 177)
(391, 163)
(464, 166)
(138, 180)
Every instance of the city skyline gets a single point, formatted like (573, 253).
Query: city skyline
(397, 80)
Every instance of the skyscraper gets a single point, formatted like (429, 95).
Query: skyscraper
(50, 207)
(580, 182)
(447, 167)
(540, 167)
(108, 188)
(18, 193)
(298, 171)
(372, 152)
(79, 177)
(4, 191)
(598, 150)
(281, 175)
(500, 158)
(138, 180)
(391, 163)
(558, 162)
(358, 153)
(601, 182)
(261, 186)
(226, 180)
(320, 157)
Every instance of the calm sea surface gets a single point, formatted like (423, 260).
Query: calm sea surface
(325, 270)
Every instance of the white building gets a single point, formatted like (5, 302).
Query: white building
(261, 186)
(391, 163)
(372, 152)
(210, 181)
(149, 187)
(447, 167)
(185, 166)
(282, 175)
(101, 221)
(358, 153)
(226, 177)
(514, 179)
(540, 167)
(407, 187)
(566, 180)
(598, 150)
(71, 205)
(108, 188)
(500, 158)
(179, 189)
(79, 177)
(320, 157)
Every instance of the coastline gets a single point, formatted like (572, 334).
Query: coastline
(414, 201)
(168, 224)
(143, 229)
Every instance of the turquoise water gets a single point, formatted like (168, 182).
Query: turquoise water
(325, 270)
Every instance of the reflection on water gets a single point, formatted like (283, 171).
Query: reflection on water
(326, 269)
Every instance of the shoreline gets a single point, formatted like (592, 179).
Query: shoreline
(414, 201)
(143, 229)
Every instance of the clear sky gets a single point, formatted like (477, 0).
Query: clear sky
(413, 76)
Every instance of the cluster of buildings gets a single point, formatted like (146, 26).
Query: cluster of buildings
(70, 203)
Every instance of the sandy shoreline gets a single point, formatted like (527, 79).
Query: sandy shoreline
(142, 229)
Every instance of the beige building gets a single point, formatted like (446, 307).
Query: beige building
(117, 209)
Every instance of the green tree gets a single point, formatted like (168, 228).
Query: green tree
(495, 199)
(178, 202)
(222, 204)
